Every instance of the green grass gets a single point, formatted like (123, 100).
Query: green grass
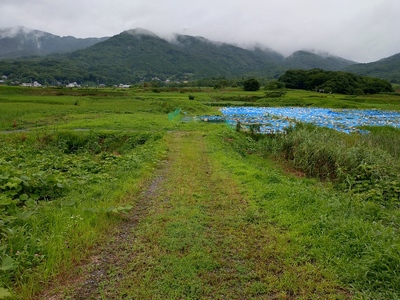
(49, 234)
(69, 111)
(356, 239)
(356, 231)
(205, 238)
(228, 220)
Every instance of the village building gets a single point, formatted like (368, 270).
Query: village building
(72, 85)
(31, 84)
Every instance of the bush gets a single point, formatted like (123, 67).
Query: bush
(274, 85)
(251, 84)
(275, 94)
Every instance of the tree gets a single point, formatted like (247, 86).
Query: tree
(294, 79)
(334, 81)
(274, 85)
(251, 84)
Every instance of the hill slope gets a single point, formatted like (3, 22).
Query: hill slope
(138, 54)
(18, 42)
(307, 60)
(387, 68)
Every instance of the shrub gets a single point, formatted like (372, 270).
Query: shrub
(275, 94)
(251, 84)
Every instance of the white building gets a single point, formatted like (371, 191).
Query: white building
(72, 85)
(32, 84)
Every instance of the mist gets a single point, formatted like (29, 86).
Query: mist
(358, 30)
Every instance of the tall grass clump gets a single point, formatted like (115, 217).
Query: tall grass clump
(361, 163)
(386, 138)
(350, 226)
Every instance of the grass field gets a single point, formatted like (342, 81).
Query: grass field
(103, 197)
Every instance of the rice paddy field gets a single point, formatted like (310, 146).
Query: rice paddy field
(128, 194)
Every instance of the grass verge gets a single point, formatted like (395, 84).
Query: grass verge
(353, 236)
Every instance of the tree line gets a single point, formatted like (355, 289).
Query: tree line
(334, 82)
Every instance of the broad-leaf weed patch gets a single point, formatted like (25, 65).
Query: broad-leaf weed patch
(59, 191)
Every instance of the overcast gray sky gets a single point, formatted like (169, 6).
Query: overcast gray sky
(360, 30)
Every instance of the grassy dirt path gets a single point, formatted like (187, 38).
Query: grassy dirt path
(194, 235)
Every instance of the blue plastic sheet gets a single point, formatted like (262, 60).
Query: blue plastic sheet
(277, 119)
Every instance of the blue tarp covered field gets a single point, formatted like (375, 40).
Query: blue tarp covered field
(276, 119)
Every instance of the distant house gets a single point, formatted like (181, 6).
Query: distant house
(72, 85)
(2, 81)
(4, 77)
(31, 84)
(124, 86)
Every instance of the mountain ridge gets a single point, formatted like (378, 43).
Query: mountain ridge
(309, 60)
(138, 54)
(12, 32)
(17, 42)
(386, 68)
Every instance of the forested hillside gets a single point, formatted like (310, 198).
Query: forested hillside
(16, 42)
(139, 55)
(334, 82)
(307, 60)
(387, 68)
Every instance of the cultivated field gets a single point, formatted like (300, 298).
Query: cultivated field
(102, 196)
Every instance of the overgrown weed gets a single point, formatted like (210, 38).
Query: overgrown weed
(349, 221)
(46, 225)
